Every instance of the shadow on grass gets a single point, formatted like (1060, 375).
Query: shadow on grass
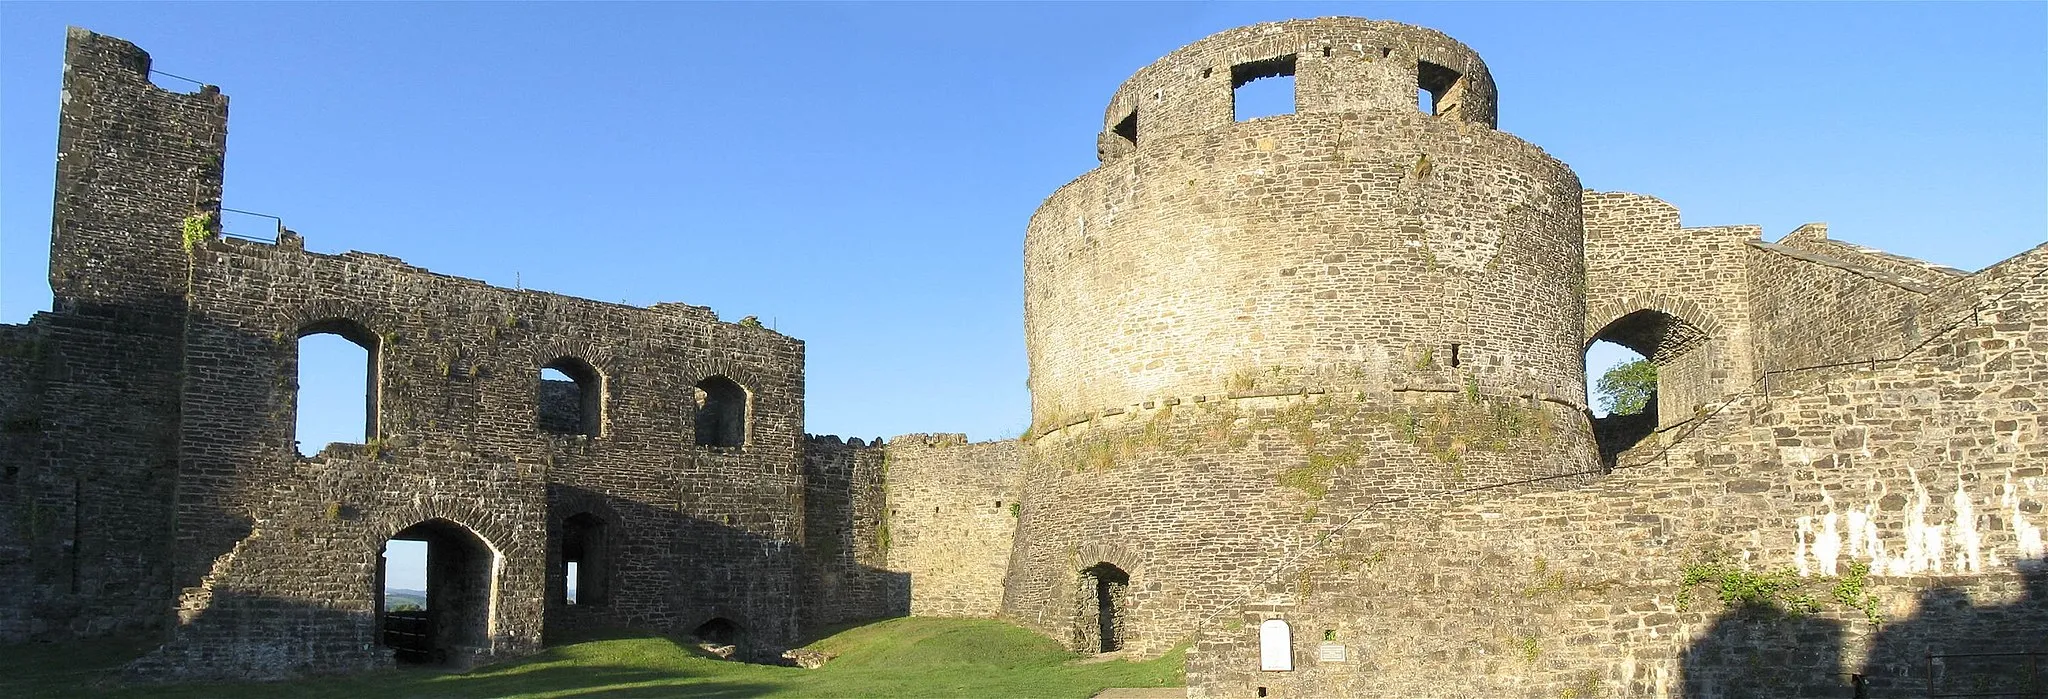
(897, 658)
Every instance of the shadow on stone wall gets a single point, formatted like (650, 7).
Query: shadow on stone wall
(673, 573)
(1948, 647)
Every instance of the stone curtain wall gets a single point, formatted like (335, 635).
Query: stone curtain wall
(1926, 470)
(844, 505)
(93, 484)
(29, 557)
(1812, 308)
(696, 532)
(952, 511)
(1813, 238)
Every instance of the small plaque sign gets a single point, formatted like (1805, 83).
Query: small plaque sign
(1330, 653)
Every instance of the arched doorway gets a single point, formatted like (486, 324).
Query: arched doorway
(457, 580)
(1103, 606)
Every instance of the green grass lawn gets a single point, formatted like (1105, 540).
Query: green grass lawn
(894, 658)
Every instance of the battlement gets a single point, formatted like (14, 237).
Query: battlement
(1339, 64)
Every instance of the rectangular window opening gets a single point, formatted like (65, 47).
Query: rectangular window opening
(1263, 88)
(1433, 88)
(1455, 359)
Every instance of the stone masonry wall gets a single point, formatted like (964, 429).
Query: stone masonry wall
(952, 512)
(1237, 329)
(1340, 64)
(1813, 238)
(694, 532)
(1812, 309)
(1638, 259)
(134, 162)
(161, 487)
(1338, 246)
(29, 544)
(1925, 471)
(1204, 502)
(844, 506)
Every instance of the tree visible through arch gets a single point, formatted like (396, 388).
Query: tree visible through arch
(1647, 367)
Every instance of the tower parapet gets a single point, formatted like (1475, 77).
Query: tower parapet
(1339, 64)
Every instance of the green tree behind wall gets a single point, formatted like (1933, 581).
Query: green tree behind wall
(1628, 388)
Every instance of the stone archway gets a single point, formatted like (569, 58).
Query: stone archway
(1104, 606)
(1682, 341)
(454, 626)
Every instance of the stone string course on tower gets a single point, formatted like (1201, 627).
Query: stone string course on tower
(1323, 368)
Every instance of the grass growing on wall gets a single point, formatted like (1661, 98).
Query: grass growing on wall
(908, 657)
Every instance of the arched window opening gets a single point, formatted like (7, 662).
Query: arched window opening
(1643, 369)
(337, 385)
(721, 413)
(719, 631)
(434, 591)
(585, 561)
(571, 398)
(1104, 604)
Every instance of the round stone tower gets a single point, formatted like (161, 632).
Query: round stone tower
(1243, 334)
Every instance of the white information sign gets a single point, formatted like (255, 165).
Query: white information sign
(1330, 653)
(1276, 646)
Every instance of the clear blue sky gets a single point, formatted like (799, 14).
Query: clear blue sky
(860, 175)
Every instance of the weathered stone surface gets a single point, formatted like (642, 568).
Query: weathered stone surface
(1322, 368)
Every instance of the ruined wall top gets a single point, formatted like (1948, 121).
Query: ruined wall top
(1339, 64)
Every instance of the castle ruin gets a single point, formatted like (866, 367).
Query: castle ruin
(1307, 394)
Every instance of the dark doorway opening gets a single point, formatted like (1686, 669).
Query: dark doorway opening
(1104, 602)
(719, 630)
(584, 561)
(453, 626)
